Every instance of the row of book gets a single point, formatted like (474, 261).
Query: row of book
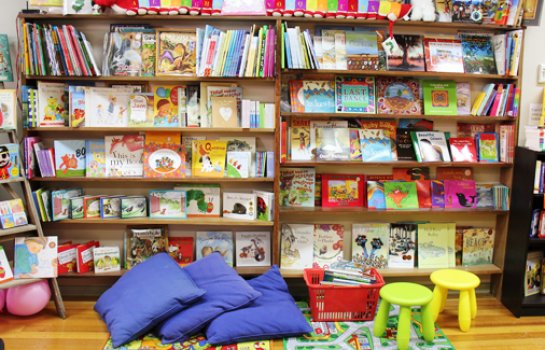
(537, 226)
(152, 155)
(12, 213)
(386, 245)
(182, 202)
(355, 49)
(348, 94)
(302, 187)
(539, 177)
(533, 276)
(347, 273)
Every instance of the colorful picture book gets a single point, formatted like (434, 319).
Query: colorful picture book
(264, 205)
(478, 54)
(52, 104)
(70, 158)
(164, 155)
(430, 146)
(439, 97)
(355, 94)
(400, 195)
(342, 190)
(370, 244)
(6, 73)
(209, 242)
(238, 164)
(176, 53)
(12, 213)
(402, 245)
(408, 55)
(8, 103)
(533, 273)
(107, 107)
(376, 145)
(241, 206)
(296, 246)
(209, 159)
(167, 105)
(398, 96)
(478, 246)
(167, 204)
(134, 207)
(487, 146)
(10, 165)
(253, 248)
(328, 244)
(202, 200)
(460, 194)
(6, 274)
(106, 259)
(297, 187)
(124, 155)
(332, 144)
(95, 158)
(319, 96)
(143, 243)
(181, 249)
(375, 195)
(35, 257)
(463, 149)
(443, 55)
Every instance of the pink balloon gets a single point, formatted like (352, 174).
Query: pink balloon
(2, 299)
(28, 299)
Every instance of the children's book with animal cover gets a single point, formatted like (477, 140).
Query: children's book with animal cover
(238, 164)
(209, 158)
(253, 248)
(443, 55)
(408, 55)
(203, 200)
(60, 202)
(76, 208)
(124, 155)
(141, 112)
(332, 144)
(95, 158)
(478, 246)
(134, 207)
(533, 273)
(319, 96)
(209, 242)
(52, 104)
(297, 186)
(265, 205)
(125, 53)
(167, 204)
(437, 194)
(176, 53)
(164, 155)
(297, 246)
(6, 73)
(241, 206)
(487, 146)
(398, 96)
(433, 252)
(110, 207)
(402, 245)
(460, 194)
(328, 244)
(463, 98)
(370, 244)
(375, 195)
(463, 149)
(143, 243)
(242, 144)
(35, 257)
(6, 274)
(375, 145)
(478, 54)
(76, 98)
(440, 97)
(69, 158)
(355, 94)
(300, 145)
(430, 146)
(342, 190)
(400, 195)
(107, 107)
(181, 249)
(10, 166)
(12, 213)
(166, 105)
(106, 259)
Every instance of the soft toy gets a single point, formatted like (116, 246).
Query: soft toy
(124, 7)
(393, 10)
(321, 9)
(289, 8)
(423, 10)
(300, 8)
(312, 7)
(196, 7)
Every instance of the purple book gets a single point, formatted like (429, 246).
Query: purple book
(460, 194)
(437, 194)
(270, 165)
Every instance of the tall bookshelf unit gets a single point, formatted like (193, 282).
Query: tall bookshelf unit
(111, 231)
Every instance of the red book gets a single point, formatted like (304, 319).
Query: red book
(85, 256)
(78, 52)
(448, 173)
(65, 52)
(423, 189)
(296, 92)
(462, 149)
(67, 258)
(378, 177)
(342, 190)
(181, 249)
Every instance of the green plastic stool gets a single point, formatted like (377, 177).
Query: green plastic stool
(405, 295)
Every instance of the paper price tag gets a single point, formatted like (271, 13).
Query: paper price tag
(390, 46)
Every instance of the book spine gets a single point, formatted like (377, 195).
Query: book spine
(71, 51)
(244, 60)
(64, 51)
(77, 50)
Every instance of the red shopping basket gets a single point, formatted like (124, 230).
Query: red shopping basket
(340, 303)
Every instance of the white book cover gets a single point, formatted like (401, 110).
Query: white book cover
(52, 104)
(107, 259)
(498, 44)
(6, 274)
(35, 257)
(202, 200)
(264, 205)
(107, 107)
(402, 246)
(240, 206)
(238, 164)
(208, 242)
(433, 146)
(78, 7)
(124, 155)
(242, 144)
(370, 244)
(340, 50)
(8, 106)
(323, 124)
(253, 248)
(296, 251)
(328, 50)
(328, 244)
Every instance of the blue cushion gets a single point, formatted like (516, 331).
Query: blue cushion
(272, 315)
(225, 291)
(147, 294)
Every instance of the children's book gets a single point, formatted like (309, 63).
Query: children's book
(355, 144)
(141, 112)
(142, 243)
(437, 194)
(35, 257)
(460, 194)
(95, 158)
(411, 174)
(110, 207)
(242, 144)
(478, 54)
(60, 202)
(319, 96)
(6, 274)
(401, 195)
(332, 144)
(84, 256)
(166, 106)
(423, 190)
(70, 158)
(342, 190)
(297, 186)
(463, 98)
(209, 158)
(224, 112)
(76, 208)
(210, 242)
(107, 259)
(181, 249)
(355, 94)
(463, 149)
(78, 7)
(52, 104)
(408, 55)
(430, 146)
(238, 164)
(402, 245)
(91, 207)
(76, 97)
(202, 200)
(164, 155)
(328, 244)
(398, 96)
(125, 57)
(375, 195)
(12, 213)
(124, 155)
(485, 195)
(253, 248)
(433, 245)
(107, 107)
(297, 96)
(6, 73)
(297, 246)
(487, 146)
(300, 141)
(176, 53)
(8, 105)
(209, 90)
(134, 207)
(264, 206)
(10, 165)
(241, 206)
(533, 273)
(440, 97)
(443, 55)
(370, 244)
(375, 145)
(362, 51)
(167, 204)
(454, 173)
(478, 246)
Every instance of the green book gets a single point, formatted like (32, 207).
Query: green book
(439, 97)
(400, 195)
(433, 245)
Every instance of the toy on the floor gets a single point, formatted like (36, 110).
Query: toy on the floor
(405, 295)
(28, 299)
(460, 280)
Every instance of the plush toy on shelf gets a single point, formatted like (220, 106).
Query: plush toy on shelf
(393, 10)
(423, 10)
(312, 6)
(321, 9)
(300, 8)
(123, 7)
(196, 7)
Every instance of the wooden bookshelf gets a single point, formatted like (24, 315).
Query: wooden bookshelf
(318, 211)
(101, 130)
(8, 232)
(457, 118)
(182, 222)
(159, 79)
(17, 283)
(138, 180)
(397, 164)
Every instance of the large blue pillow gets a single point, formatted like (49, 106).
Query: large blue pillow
(225, 291)
(272, 315)
(147, 294)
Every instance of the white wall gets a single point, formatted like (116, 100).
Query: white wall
(8, 15)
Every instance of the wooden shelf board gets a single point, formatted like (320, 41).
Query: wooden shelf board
(156, 79)
(127, 130)
(12, 180)
(149, 221)
(151, 180)
(459, 118)
(242, 270)
(16, 283)
(367, 211)
(291, 163)
(17, 230)
(252, 270)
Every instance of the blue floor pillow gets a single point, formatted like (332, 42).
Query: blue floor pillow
(147, 294)
(225, 291)
(272, 315)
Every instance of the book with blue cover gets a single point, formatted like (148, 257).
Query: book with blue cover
(375, 195)
(319, 96)
(355, 94)
(6, 73)
(69, 158)
(375, 145)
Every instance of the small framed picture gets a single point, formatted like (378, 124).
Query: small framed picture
(176, 52)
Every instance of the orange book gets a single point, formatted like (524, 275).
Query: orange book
(164, 155)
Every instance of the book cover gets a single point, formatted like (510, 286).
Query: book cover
(6, 73)
(52, 104)
(107, 107)
(533, 273)
(454, 173)
(164, 155)
(460, 194)
(471, 129)
(265, 205)
(411, 174)
(78, 7)
(110, 207)
(224, 112)
(106, 259)
(437, 194)
(433, 245)
(167, 204)
(297, 187)
(440, 97)
(423, 190)
(125, 53)
(296, 246)
(375, 145)
(478, 246)
(209, 158)
(67, 258)
(35, 257)
(12, 213)
(207, 243)
(134, 207)
(402, 245)
(166, 106)
(398, 96)
(404, 145)
(319, 96)
(370, 244)
(176, 53)
(6, 274)
(143, 243)
(355, 144)
(443, 55)
(202, 200)
(485, 195)
(375, 195)
(431, 146)
(70, 158)
(60, 202)
(355, 94)
(84, 256)
(8, 105)
(478, 54)
(487, 145)
(181, 249)
(95, 158)
(253, 248)
(124, 155)
(297, 96)
(332, 144)
(408, 55)
(328, 244)
(242, 144)
(141, 112)
(400, 195)
(238, 164)
(463, 149)
(342, 190)
(10, 165)
(300, 145)
(76, 98)
(91, 207)
(240, 206)
(463, 98)
(362, 51)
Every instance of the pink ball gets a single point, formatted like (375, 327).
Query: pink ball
(2, 299)
(28, 299)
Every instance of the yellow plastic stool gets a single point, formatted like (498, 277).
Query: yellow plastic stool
(461, 280)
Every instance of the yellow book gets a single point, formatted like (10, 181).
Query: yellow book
(477, 103)
(208, 158)
(226, 44)
(27, 52)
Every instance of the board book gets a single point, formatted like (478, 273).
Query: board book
(209, 242)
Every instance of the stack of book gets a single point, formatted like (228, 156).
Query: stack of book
(346, 273)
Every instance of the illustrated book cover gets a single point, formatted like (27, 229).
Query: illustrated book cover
(142, 243)
(370, 244)
(430, 146)
(35, 257)
(408, 55)
(253, 248)
(69, 158)
(355, 94)
(328, 244)
(401, 195)
(167, 204)
(296, 246)
(342, 190)
(478, 54)
(478, 246)
(375, 145)
(443, 55)
(181, 249)
(402, 245)
(440, 97)
(164, 156)
(95, 158)
(203, 200)
(124, 155)
(398, 96)
(207, 243)
(208, 159)
(240, 206)
(107, 259)
(297, 187)
(460, 194)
